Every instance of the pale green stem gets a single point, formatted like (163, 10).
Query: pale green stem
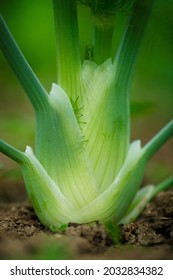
(163, 186)
(32, 86)
(158, 140)
(12, 152)
(102, 42)
(124, 62)
(68, 48)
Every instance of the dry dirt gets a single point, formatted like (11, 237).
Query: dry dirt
(23, 237)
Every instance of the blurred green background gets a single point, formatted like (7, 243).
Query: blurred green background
(31, 23)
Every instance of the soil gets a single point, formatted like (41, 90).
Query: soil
(23, 237)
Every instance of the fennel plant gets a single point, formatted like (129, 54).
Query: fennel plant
(84, 167)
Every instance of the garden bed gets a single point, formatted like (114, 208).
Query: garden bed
(23, 237)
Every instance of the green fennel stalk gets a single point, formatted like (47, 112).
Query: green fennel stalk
(86, 169)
